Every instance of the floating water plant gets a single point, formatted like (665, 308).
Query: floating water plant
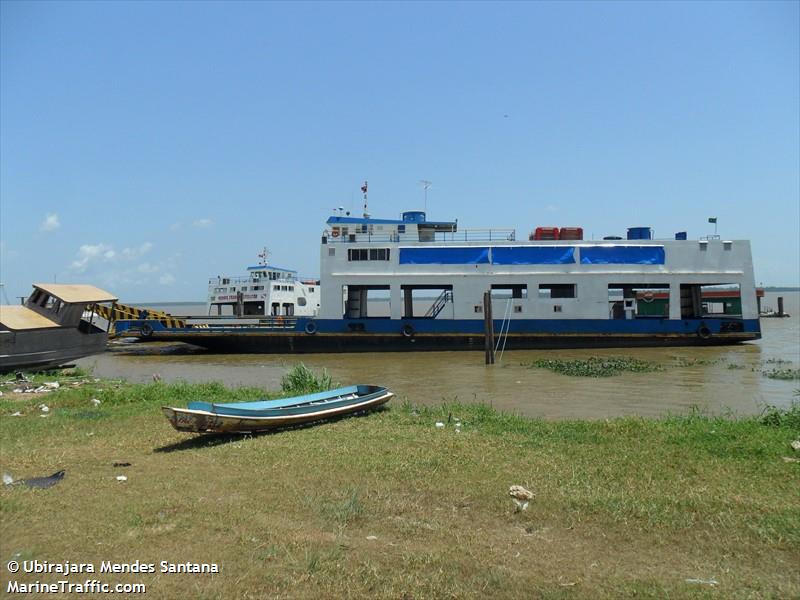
(596, 366)
(787, 374)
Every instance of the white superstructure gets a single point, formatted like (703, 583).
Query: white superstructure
(266, 290)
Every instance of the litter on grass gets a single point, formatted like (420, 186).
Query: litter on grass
(520, 496)
(35, 482)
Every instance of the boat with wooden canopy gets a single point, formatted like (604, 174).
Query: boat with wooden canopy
(240, 417)
(55, 325)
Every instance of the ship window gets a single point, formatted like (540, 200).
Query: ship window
(401, 229)
(478, 308)
(557, 290)
(366, 301)
(301, 301)
(427, 300)
(276, 309)
(557, 308)
(510, 290)
(258, 287)
(291, 288)
(288, 309)
(331, 251)
(53, 304)
(276, 287)
(379, 253)
(638, 300)
(711, 300)
(517, 308)
(244, 288)
(358, 254)
(311, 290)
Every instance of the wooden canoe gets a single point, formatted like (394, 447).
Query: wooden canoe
(239, 417)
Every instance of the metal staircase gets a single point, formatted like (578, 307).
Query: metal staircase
(438, 304)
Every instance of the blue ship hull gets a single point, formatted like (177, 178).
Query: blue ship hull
(373, 335)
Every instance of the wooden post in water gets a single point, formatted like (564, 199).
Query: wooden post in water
(780, 306)
(488, 328)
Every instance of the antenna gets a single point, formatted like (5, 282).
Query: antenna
(263, 255)
(425, 185)
(3, 290)
(364, 191)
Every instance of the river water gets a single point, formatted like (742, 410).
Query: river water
(713, 379)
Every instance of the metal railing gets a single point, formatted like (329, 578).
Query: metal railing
(465, 235)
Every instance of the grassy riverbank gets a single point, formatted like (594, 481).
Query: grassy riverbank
(389, 505)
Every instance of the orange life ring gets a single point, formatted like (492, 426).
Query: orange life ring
(335, 232)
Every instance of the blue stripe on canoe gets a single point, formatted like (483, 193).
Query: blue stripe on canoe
(270, 404)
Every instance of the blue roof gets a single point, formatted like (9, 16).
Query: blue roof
(360, 221)
(269, 268)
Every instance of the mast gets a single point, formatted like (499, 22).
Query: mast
(364, 191)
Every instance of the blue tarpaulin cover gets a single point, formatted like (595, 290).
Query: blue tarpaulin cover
(533, 255)
(444, 256)
(622, 255)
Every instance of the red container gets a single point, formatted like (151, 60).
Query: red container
(571, 233)
(545, 233)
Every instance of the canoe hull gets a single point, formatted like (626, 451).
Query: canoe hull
(200, 421)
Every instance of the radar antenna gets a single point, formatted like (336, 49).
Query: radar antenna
(425, 185)
(263, 256)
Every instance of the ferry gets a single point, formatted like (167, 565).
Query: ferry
(410, 284)
(266, 290)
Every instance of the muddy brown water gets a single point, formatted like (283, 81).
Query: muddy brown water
(716, 379)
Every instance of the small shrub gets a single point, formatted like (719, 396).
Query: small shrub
(302, 380)
(774, 416)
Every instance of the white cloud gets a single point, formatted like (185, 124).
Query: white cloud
(166, 279)
(202, 223)
(50, 223)
(551, 208)
(89, 253)
(175, 226)
(147, 268)
(132, 253)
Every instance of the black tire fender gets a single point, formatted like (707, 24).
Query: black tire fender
(146, 330)
(311, 328)
(407, 330)
(704, 332)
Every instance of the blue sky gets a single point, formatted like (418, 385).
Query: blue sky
(145, 147)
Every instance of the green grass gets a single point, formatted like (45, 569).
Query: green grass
(389, 506)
